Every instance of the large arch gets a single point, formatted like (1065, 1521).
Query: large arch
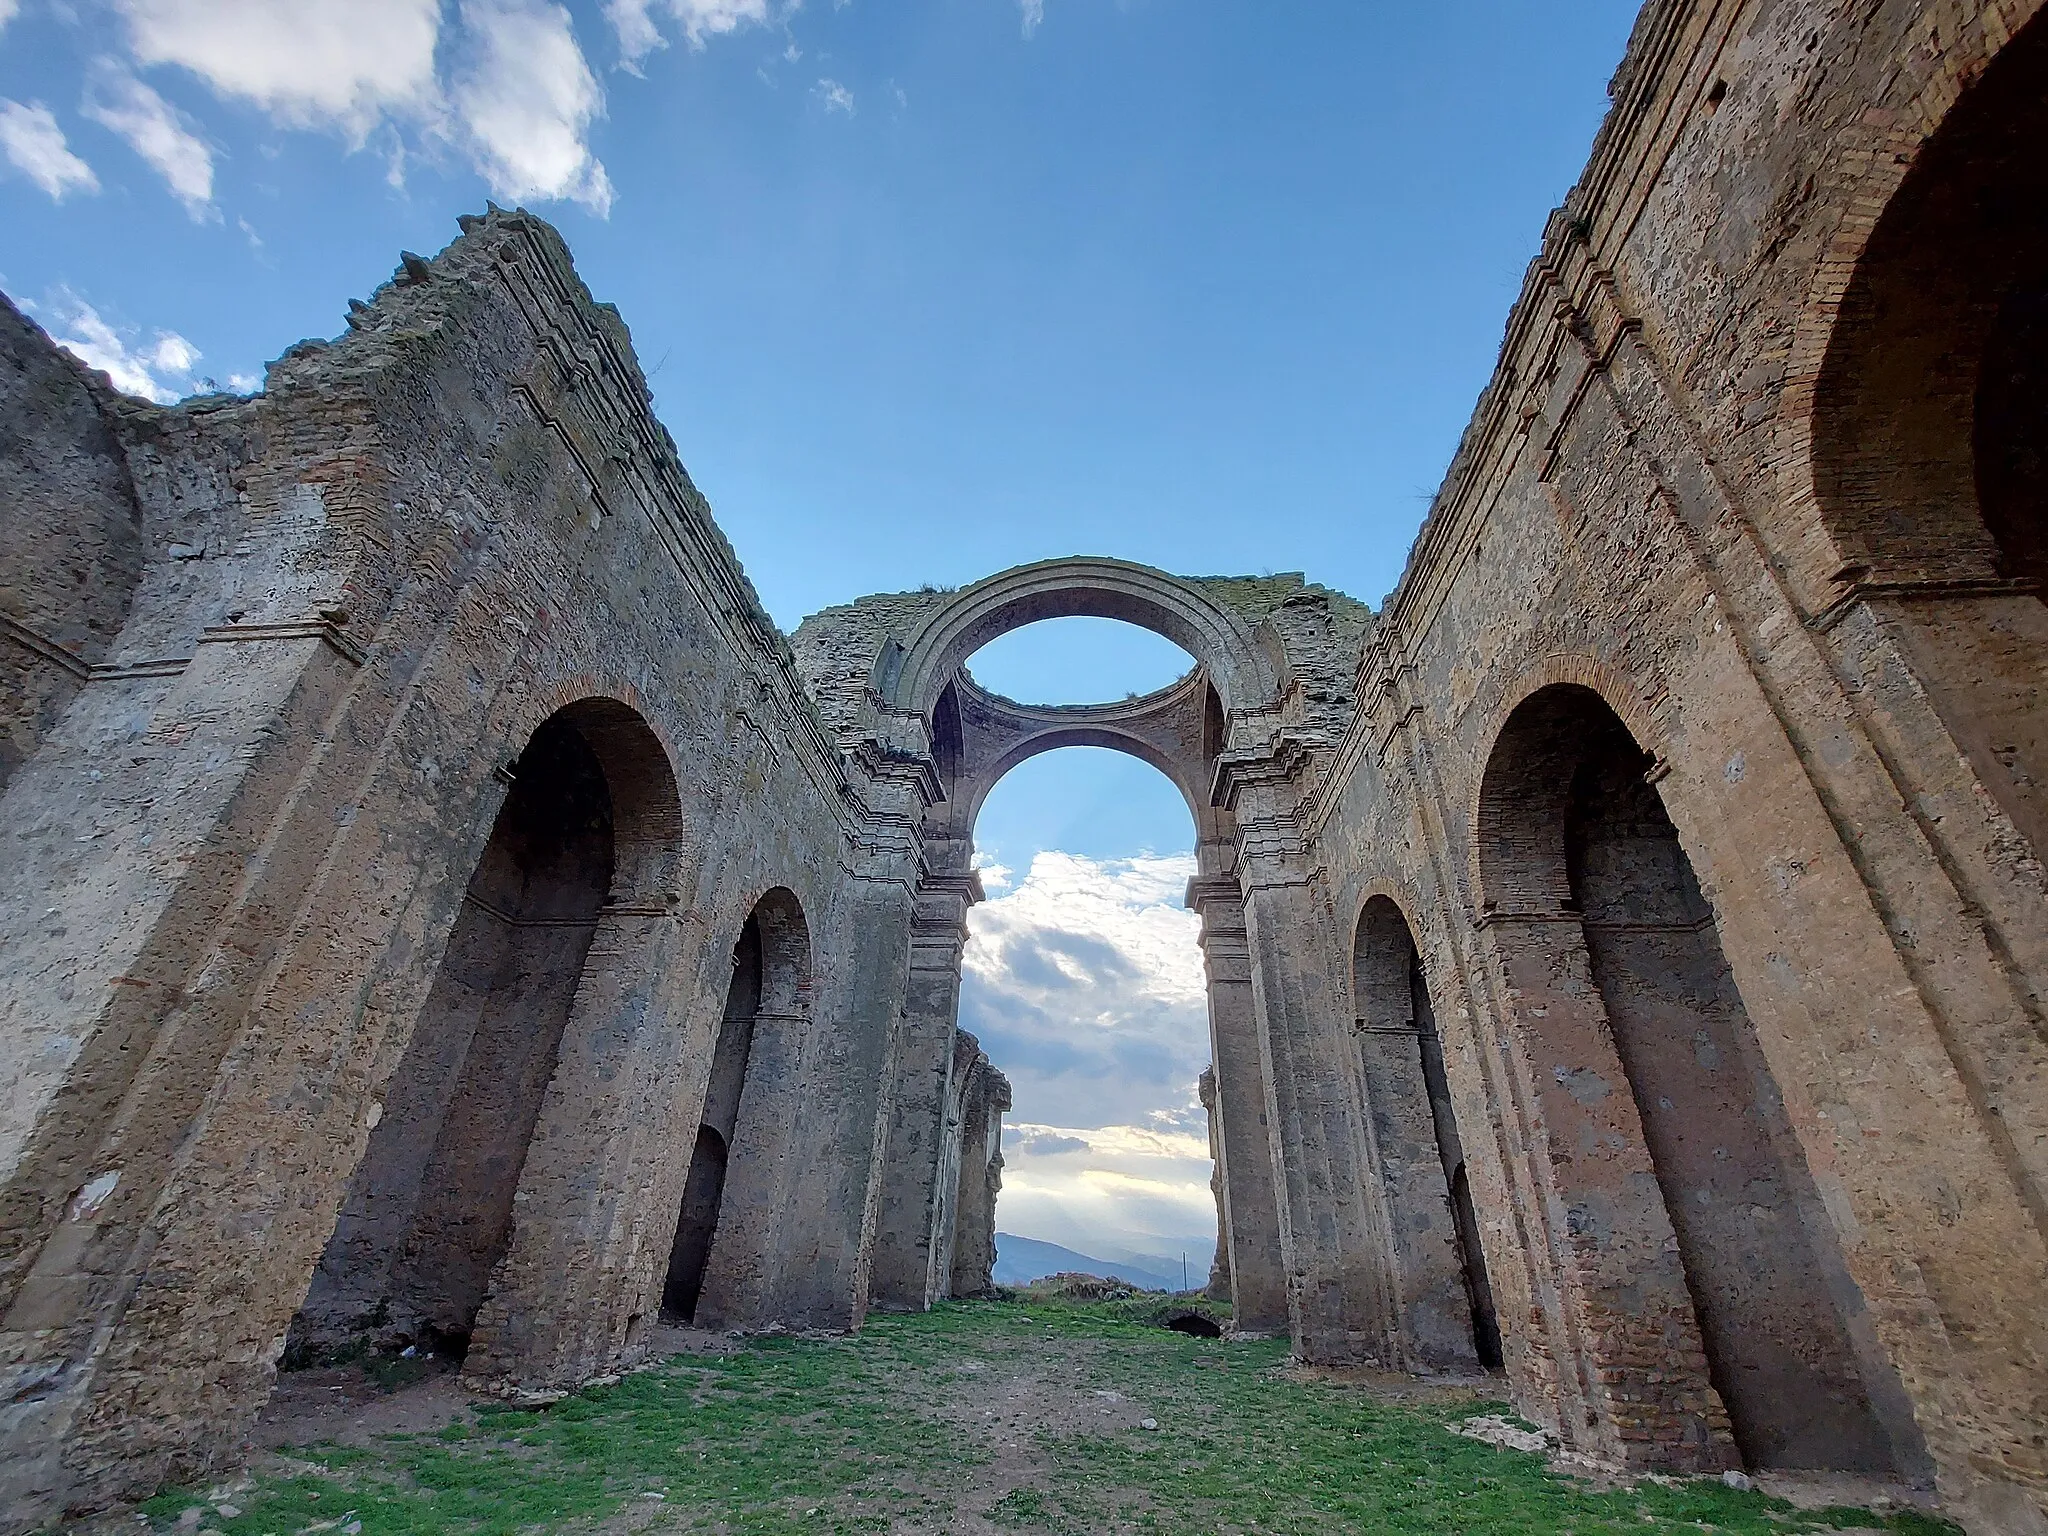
(1080, 586)
(1929, 411)
(1164, 729)
(979, 736)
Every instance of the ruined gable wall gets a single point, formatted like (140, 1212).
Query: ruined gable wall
(425, 538)
(70, 543)
(1618, 516)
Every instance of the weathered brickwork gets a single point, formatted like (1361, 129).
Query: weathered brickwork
(440, 906)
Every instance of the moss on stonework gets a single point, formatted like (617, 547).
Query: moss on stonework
(1029, 1416)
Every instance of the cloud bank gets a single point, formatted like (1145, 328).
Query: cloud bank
(639, 34)
(1084, 982)
(343, 64)
(502, 83)
(157, 368)
(155, 130)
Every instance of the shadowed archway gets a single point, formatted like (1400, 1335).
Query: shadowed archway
(1688, 1211)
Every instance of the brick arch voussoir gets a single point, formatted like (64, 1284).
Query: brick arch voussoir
(1615, 688)
(651, 832)
(1866, 168)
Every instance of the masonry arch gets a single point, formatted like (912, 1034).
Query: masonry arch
(1688, 1219)
(742, 1143)
(1165, 729)
(1446, 1300)
(1244, 675)
(591, 817)
(977, 738)
(1930, 416)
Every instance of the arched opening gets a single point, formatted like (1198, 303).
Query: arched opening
(1083, 982)
(1447, 1303)
(1088, 587)
(743, 1135)
(1931, 423)
(1724, 1247)
(429, 1211)
(979, 738)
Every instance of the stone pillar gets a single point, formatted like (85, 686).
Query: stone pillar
(1336, 1239)
(981, 1177)
(579, 1270)
(1218, 1288)
(952, 1153)
(1251, 1213)
(1641, 1387)
(907, 1275)
(827, 1242)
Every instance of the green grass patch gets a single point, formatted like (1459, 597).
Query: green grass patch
(884, 1433)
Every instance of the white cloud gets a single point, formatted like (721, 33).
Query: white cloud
(1110, 1189)
(156, 130)
(1084, 981)
(1034, 13)
(8, 10)
(35, 146)
(639, 35)
(526, 102)
(308, 63)
(159, 369)
(1125, 912)
(837, 98)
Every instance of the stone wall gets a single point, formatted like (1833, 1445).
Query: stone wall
(440, 904)
(984, 1099)
(255, 907)
(71, 545)
(1833, 1053)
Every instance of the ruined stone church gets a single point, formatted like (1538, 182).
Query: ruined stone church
(438, 903)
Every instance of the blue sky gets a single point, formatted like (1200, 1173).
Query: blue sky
(925, 288)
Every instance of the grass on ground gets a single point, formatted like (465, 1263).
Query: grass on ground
(900, 1430)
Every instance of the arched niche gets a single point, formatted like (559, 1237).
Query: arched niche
(1687, 1215)
(1930, 423)
(740, 1161)
(1446, 1300)
(591, 817)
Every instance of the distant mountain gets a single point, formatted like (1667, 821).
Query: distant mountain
(1163, 1258)
(1020, 1260)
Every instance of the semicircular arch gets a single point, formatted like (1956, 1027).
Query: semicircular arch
(1053, 738)
(1092, 587)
